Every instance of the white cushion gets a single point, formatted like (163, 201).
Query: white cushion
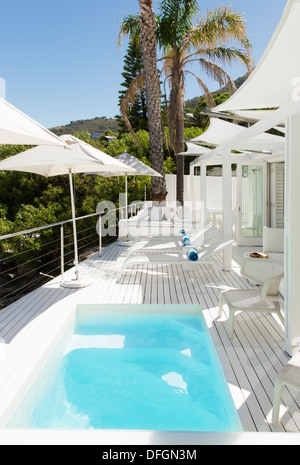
(183, 213)
(143, 214)
(167, 213)
(156, 214)
(273, 240)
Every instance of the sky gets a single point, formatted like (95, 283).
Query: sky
(60, 59)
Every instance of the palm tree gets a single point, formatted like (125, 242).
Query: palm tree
(184, 39)
(149, 47)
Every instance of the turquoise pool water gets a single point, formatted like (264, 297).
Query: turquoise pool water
(145, 372)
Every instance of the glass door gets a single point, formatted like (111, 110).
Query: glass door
(250, 205)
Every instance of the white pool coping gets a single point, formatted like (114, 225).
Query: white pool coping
(22, 360)
(143, 438)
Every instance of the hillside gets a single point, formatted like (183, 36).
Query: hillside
(102, 124)
(192, 103)
(92, 126)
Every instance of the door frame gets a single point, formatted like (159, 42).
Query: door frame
(250, 241)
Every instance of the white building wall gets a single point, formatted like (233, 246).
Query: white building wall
(214, 190)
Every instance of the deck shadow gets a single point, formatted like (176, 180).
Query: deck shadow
(15, 317)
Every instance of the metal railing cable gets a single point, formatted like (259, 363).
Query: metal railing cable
(50, 250)
(24, 270)
(6, 259)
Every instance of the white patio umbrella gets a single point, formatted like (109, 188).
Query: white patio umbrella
(53, 161)
(141, 168)
(16, 128)
(131, 162)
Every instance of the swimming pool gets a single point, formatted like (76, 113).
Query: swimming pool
(132, 370)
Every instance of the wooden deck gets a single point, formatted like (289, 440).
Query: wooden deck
(250, 361)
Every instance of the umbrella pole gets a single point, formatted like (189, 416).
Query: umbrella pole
(75, 283)
(126, 205)
(74, 225)
(126, 242)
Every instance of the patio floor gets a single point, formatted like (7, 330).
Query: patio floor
(250, 361)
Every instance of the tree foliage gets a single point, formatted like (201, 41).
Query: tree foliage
(137, 109)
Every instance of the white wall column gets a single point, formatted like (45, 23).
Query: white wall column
(227, 208)
(192, 190)
(292, 235)
(203, 185)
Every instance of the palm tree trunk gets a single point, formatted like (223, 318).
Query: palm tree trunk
(180, 149)
(177, 88)
(149, 46)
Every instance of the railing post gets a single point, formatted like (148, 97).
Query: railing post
(227, 208)
(62, 247)
(100, 235)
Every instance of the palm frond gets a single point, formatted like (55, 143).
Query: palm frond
(217, 73)
(131, 27)
(229, 54)
(225, 55)
(128, 100)
(174, 21)
(208, 95)
(219, 26)
(169, 63)
(187, 8)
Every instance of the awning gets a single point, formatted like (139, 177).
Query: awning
(194, 150)
(272, 83)
(218, 132)
(222, 133)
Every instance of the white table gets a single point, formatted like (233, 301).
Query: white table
(258, 270)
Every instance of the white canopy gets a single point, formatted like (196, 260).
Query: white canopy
(221, 132)
(257, 115)
(251, 115)
(16, 128)
(262, 143)
(194, 150)
(271, 83)
(218, 132)
(53, 161)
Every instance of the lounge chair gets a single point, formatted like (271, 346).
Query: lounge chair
(290, 377)
(156, 221)
(244, 300)
(178, 257)
(200, 239)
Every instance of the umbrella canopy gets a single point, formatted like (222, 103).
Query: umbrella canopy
(16, 128)
(131, 163)
(138, 165)
(52, 161)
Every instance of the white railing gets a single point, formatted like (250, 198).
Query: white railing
(28, 262)
(28, 268)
